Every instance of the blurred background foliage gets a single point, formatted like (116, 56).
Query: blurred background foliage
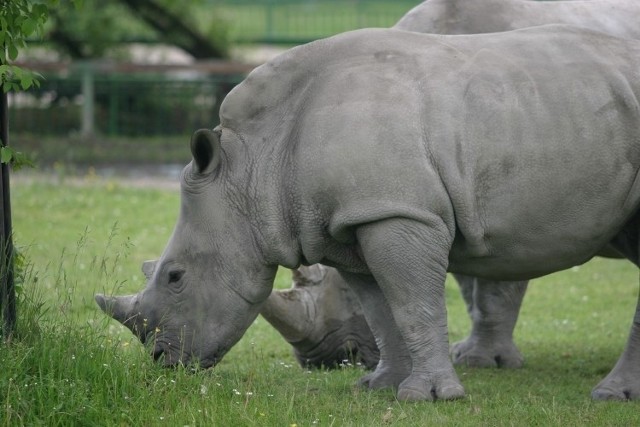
(101, 27)
(129, 80)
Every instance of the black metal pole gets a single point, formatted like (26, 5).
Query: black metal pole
(7, 285)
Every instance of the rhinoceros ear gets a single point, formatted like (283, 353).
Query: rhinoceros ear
(205, 148)
(148, 267)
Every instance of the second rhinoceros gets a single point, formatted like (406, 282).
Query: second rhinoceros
(394, 157)
(322, 319)
(615, 17)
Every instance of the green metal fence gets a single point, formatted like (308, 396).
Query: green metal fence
(300, 21)
(94, 99)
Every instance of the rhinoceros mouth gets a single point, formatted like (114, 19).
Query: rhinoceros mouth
(157, 353)
(164, 354)
(170, 357)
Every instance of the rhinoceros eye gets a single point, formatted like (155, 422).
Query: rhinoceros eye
(175, 275)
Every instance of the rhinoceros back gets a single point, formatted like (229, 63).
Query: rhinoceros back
(513, 140)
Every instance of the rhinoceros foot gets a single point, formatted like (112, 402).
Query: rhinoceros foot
(474, 353)
(385, 375)
(431, 387)
(616, 386)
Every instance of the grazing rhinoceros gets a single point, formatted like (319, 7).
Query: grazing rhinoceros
(493, 306)
(394, 157)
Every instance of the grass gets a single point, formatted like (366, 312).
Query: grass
(70, 365)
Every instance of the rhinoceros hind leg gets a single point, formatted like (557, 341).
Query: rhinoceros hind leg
(623, 382)
(394, 364)
(469, 352)
(493, 307)
(616, 386)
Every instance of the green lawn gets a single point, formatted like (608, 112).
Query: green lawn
(70, 365)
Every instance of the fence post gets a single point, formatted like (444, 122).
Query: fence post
(269, 19)
(88, 99)
(360, 9)
(7, 285)
(114, 90)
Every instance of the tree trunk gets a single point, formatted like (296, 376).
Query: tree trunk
(7, 285)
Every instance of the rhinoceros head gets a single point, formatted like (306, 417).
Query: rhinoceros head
(209, 284)
(322, 319)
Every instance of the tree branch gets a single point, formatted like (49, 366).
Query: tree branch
(172, 29)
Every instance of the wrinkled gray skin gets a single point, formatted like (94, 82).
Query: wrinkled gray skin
(322, 319)
(395, 156)
(492, 305)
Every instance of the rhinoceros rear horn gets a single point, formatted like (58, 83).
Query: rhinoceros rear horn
(205, 148)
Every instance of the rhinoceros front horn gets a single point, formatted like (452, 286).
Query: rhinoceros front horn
(290, 313)
(119, 308)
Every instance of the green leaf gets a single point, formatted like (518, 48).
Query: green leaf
(13, 52)
(40, 10)
(6, 154)
(20, 160)
(28, 27)
(26, 81)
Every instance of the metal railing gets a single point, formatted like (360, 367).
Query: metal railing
(301, 21)
(124, 99)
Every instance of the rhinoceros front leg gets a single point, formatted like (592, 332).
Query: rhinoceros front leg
(394, 363)
(409, 261)
(493, 307)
